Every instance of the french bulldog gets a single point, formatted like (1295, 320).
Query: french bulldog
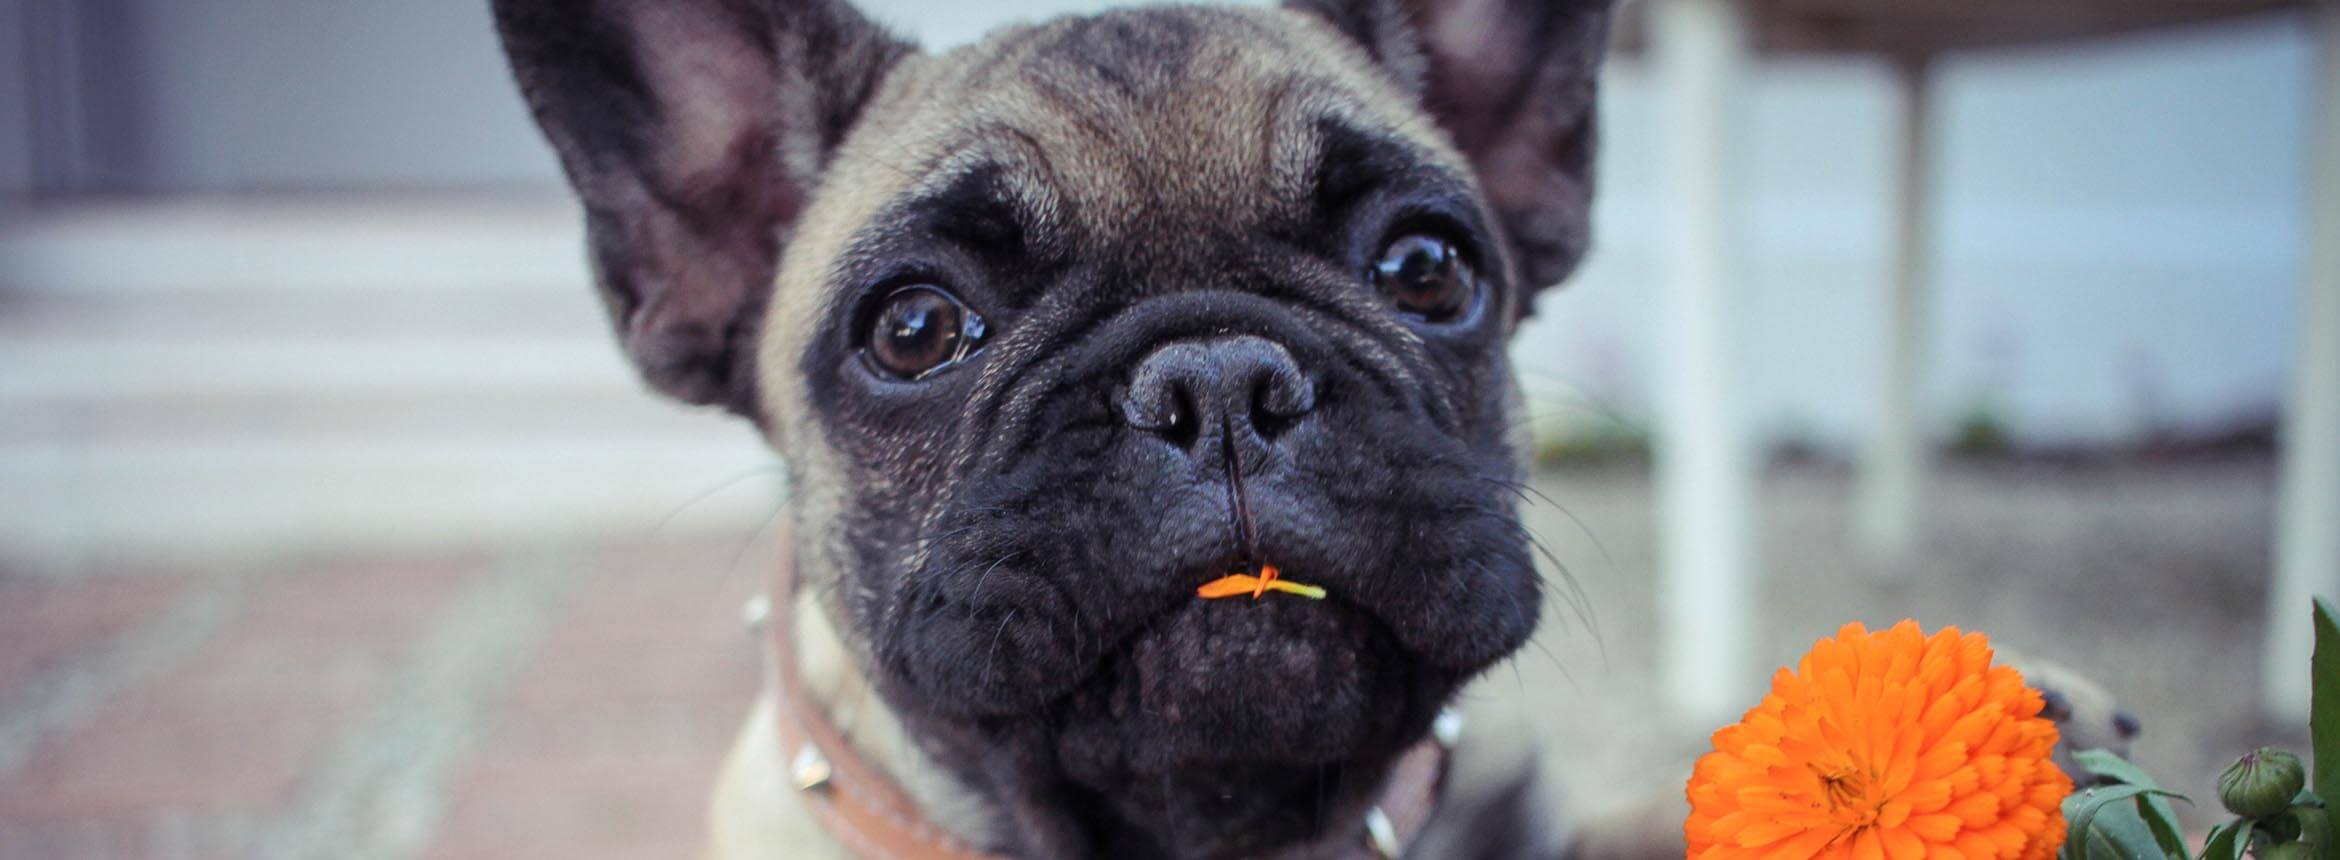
(1054, 328)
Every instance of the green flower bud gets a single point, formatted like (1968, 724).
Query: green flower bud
(2288, 851)
(2262, 783)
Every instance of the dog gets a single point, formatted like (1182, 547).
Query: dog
(2087, 716)
(1054, 329)
(1051, 329)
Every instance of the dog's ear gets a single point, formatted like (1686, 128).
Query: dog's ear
(1512, 82)
(693, 131)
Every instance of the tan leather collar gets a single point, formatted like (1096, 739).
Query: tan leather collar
(870, 814)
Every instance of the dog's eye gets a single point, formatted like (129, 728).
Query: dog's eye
(921, 329)
(1426, 276)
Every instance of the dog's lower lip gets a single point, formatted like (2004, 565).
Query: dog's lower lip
(1237, 682)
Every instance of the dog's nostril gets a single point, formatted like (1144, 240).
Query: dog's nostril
(1245, 380)
(1146, 409)
(1169, 413)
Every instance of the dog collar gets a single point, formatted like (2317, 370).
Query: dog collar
(872, 816)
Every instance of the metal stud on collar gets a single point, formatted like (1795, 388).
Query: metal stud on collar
(1381, 835)
(756, 612)
(1447, 727)
(810, 769)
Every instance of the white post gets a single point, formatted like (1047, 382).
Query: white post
(1893, 470)
(1705, 591)
(2307, 522)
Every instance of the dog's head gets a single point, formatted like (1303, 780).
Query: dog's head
(1020, 317)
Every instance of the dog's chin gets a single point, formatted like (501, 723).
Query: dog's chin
(1238, 683)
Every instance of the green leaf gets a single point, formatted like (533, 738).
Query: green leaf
(2113, 819)
(2155, 808)
(2227, 841)
(2118, 834)
(2089, 846)
(2086, 803)
(2315, 827)
(2163, 821)
(2281, 827)
(2324, 698)
(2106, 763)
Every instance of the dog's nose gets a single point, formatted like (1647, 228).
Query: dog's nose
(1185, 390)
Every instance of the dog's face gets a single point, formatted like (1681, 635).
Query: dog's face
(1057, 327)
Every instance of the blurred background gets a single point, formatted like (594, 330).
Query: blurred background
(333, 524)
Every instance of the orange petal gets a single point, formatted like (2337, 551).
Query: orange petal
(1267, 577)
(1228, 586)
(1238, 584)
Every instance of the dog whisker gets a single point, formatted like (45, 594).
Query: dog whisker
(1523, 612)
(991, 660)
(1586, 530)
(755, 536)
(1573, 594)
(1565, 675)
(975, 594)
(769, 470)
(1567, 390)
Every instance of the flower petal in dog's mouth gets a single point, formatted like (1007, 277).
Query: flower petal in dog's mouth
(1238, 583)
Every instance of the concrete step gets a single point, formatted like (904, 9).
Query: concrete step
(444, 241)
(74, 507)
(272, 375)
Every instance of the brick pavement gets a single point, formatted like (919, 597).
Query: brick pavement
(517, 702)
(574, 701)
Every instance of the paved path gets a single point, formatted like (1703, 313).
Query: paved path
(573, 701)
(521, 703)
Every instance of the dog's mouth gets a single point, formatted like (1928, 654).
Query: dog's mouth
(1240, 724)
(1279, 679)
(1089, 617)
(1258, 668)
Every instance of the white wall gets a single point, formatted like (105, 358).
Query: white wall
(231, 95)
(2118, 217)
(243, 94)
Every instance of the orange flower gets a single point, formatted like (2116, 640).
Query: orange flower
(1884, 745)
